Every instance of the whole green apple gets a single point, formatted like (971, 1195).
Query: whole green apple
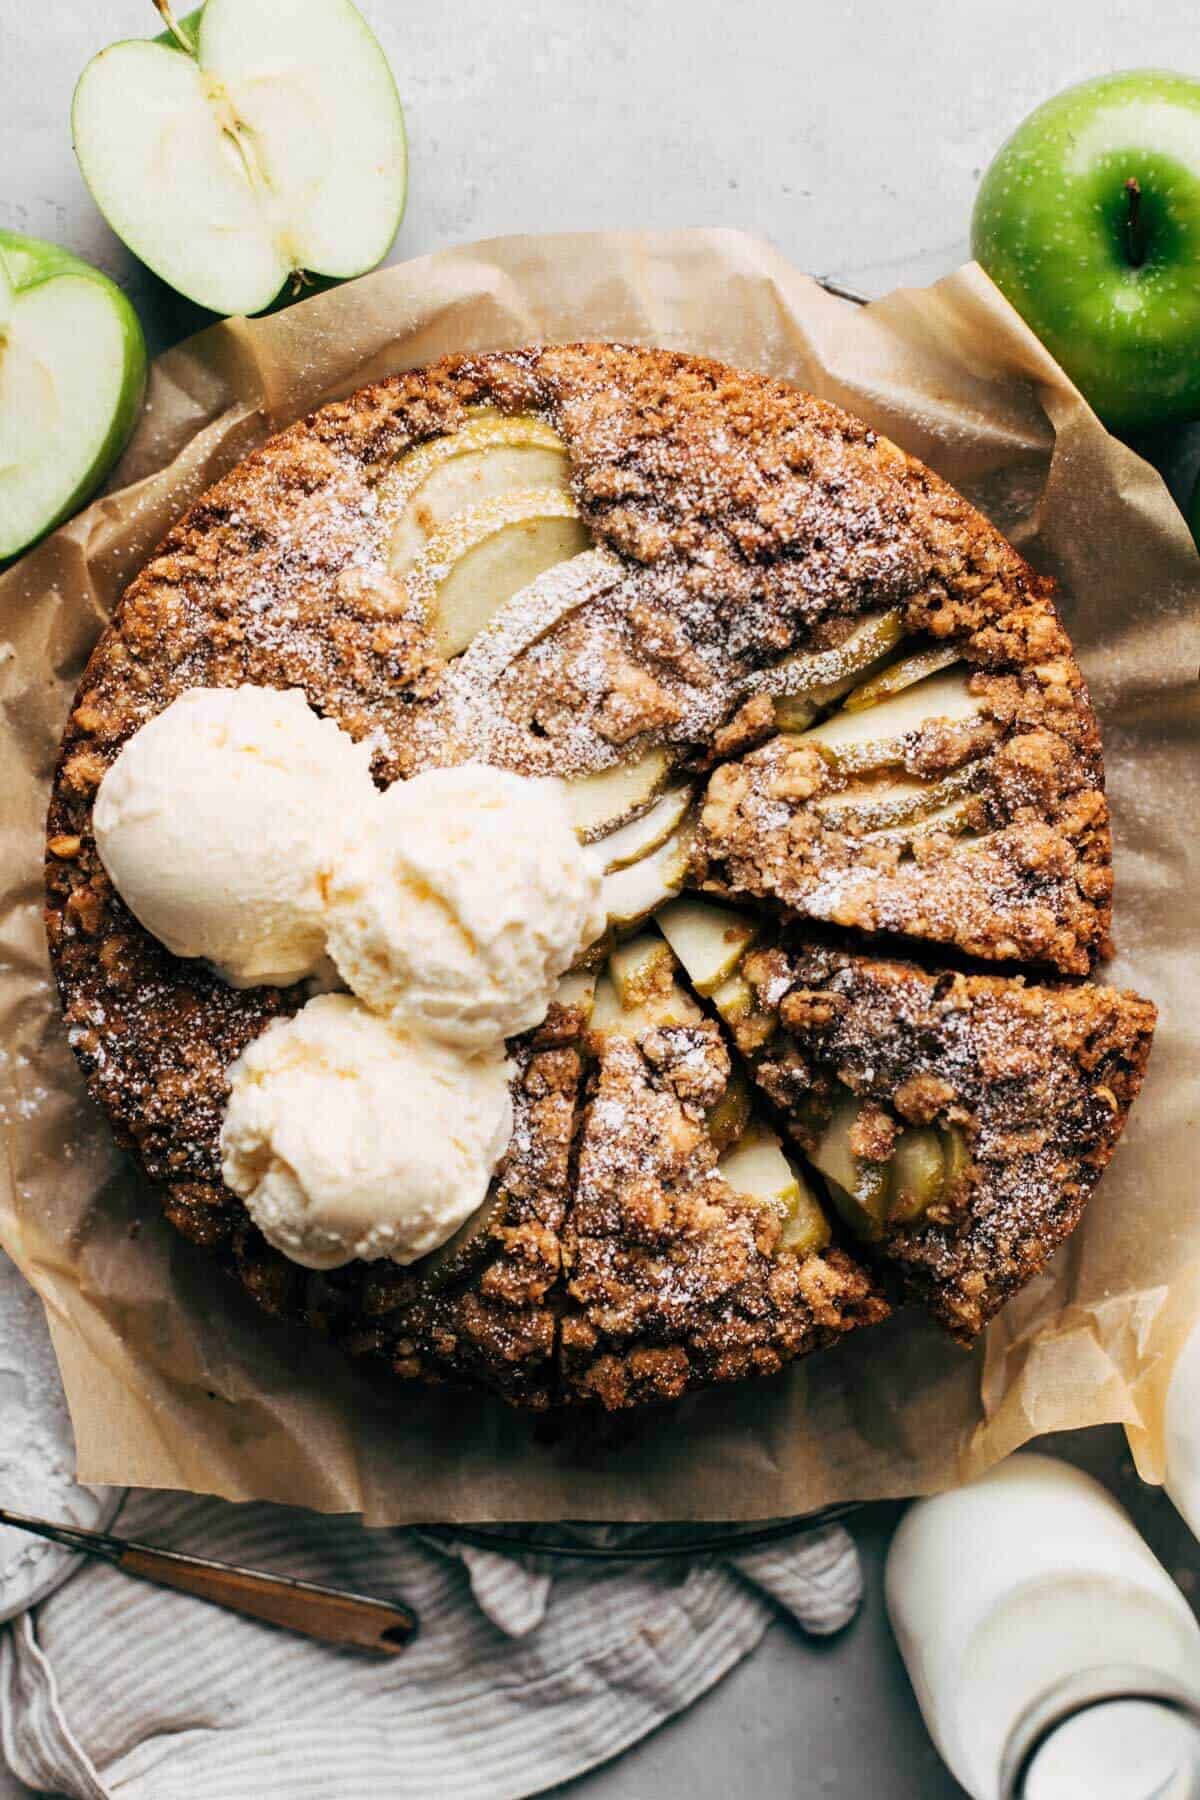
(1088, 221)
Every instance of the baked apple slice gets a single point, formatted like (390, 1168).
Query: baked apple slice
(958, 819)
(632, 894)
(894, 677)
(880, 736)
(641, 836)
(638, 991)
(710, 941)
(881, 799)
(806, 682)
(527, 616)
(918, 1173)
(470, 566)
(639, 969)
(918, 1169)
(735, 1004)
(601, 802)
(857, 1185)
(492, 455)
(757, 1169)
(727, 1120)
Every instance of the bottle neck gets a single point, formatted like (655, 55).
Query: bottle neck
(1113, 1733)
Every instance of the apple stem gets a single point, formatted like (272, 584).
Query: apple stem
(163, 8)
(1135, 236)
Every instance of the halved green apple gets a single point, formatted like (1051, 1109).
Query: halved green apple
(883, 799)
(630, 895)
(632, 841)
(492, 454)
(599, 803)
(881, 734)
(757, 1168)
(896, 676)
(72, 376)
(710, 941)
(858, 1188)
(480, 558)
(256, 142)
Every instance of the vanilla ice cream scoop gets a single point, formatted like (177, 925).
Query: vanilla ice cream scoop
(220, 820)
(348, 1139)
(466, 902)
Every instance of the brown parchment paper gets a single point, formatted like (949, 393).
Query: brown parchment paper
(172, 1377)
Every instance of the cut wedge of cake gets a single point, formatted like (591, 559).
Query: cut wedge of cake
(685, 1265)
(955, 797)
(960, 1122)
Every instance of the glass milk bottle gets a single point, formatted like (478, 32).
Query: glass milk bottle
(1181, 1431)
(1052, 1655)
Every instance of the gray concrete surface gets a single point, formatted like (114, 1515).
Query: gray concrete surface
(852, 134)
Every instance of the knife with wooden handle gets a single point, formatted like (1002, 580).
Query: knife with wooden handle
(332, 1616)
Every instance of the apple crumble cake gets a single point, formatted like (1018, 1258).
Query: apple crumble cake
(959, 1121)
(777, 662)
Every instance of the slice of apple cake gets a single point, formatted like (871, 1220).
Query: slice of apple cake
(958, 1122)
(694, 1252)
(954, 796)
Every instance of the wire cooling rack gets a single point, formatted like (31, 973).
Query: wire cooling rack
(634, 1543)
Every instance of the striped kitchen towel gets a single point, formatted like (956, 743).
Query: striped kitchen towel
(523, 1675)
